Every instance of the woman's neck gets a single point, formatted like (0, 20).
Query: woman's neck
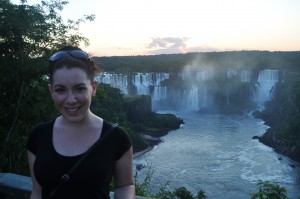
(87, 121)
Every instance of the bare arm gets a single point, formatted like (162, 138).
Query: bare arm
(36, 188)
(124, 178)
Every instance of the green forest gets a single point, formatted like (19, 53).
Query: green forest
(248, 60)
(30, 34)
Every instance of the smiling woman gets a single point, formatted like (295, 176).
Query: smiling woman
(63, 142)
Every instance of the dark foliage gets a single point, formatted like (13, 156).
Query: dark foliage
(250, 60)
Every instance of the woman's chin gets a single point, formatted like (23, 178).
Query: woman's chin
(73, 118)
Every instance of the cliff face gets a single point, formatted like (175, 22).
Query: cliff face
(283, 116)
(137, 106)
(150, 126)
(270, 139)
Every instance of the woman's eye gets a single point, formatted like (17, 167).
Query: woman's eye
(81, 89)
(59, 90)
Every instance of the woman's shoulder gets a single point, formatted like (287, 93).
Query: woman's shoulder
(112, 128)
(117, 137)
(115, 130)
(42, 127)
(39, 135)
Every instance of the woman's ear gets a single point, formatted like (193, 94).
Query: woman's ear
(94, 87)
(50, 90)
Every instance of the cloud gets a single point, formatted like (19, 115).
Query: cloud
(173, 45)
(167, 45)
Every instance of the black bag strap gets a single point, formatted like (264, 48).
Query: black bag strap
(65, 177)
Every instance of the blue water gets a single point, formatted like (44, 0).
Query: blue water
(216, 153)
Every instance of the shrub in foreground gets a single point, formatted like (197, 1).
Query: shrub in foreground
(268, 190)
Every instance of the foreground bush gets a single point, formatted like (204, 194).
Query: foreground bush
(144, 188)
(268, 190)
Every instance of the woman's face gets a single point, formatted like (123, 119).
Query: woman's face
(72, 92)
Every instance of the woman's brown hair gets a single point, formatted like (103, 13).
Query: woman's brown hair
(69, 61)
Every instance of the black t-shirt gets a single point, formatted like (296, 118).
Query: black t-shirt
(91, 178)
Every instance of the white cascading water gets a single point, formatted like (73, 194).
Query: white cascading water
(142, 83)
(191, 99)
(115, 80)
(245, 76)
(194, 96)
(265, 86)
(159, 93)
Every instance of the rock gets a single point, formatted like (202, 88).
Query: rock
(256, 137)
(279, 158)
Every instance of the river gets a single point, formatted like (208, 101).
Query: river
(216, 153)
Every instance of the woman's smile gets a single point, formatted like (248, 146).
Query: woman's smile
(73, 109)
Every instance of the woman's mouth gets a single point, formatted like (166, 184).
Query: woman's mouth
(73, 109)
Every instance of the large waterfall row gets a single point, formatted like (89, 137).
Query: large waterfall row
(192, 92)
(142, 82)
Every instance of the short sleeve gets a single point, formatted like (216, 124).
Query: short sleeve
(124, 142)
(39, 136)
(32, 141)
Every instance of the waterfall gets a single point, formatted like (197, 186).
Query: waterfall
(115, 80)
(245, 76)
(138, 83)
(160, 92)
(195, 94)
(191, 99)
(265, 85)
(188, 90)
(231, 73)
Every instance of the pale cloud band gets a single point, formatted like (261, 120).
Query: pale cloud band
(167, 45)
(170, 45)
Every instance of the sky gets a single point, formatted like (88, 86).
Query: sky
(149, 27)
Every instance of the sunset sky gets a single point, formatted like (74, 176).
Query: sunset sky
(145, 27)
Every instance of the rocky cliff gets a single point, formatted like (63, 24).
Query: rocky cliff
(282, 115)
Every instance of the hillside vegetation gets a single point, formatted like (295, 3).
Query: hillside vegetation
(248, 60)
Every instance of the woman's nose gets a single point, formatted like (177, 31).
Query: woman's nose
(71, 97)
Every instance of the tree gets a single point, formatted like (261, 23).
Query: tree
(268, 190)
(28, 34)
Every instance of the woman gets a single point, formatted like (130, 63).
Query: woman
(54, 147)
